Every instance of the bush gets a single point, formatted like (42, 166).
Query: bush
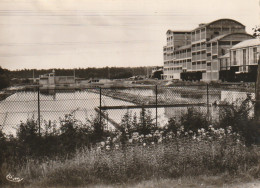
(240, 117)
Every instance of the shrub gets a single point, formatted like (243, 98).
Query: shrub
(239, 117)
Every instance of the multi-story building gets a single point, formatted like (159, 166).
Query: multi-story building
(175, 40)
(197, 59)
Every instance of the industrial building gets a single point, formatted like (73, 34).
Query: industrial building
(195, 55)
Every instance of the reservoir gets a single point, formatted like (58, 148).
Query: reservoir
(23, 105)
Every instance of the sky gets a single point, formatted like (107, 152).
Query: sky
(44, 34)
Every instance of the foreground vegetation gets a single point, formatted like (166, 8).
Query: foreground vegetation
(76, 154)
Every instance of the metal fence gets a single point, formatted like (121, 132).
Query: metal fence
(112, 104)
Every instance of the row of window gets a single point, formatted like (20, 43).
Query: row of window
(172, 68)
(244, 56)
(176, 62)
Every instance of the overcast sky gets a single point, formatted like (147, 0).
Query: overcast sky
(98, 33)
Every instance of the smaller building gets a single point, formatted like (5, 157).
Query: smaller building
(50, 81)
(244, 58)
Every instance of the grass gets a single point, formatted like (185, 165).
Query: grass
(150, 165)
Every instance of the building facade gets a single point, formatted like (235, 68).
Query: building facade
(244, 58)
(198, 58)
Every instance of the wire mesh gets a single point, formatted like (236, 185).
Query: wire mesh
(160, 102)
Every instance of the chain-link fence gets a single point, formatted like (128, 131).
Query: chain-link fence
(113, 104)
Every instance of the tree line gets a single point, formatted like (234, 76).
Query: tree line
(85, 73)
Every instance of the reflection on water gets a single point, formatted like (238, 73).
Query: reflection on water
(23, 105)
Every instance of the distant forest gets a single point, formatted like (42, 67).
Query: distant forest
(87, 73)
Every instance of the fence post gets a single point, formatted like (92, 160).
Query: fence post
(207, 99)
(39, 113)
(100, 105)
(156, 103)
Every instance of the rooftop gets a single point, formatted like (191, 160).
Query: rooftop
(227, 55)
(206, 24)
(247, 43)
(223, 36)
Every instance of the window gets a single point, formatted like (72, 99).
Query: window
(244, 60)
(234, 58)
(255, 55)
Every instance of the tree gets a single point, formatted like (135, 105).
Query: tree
(4, 78)
(256, 31)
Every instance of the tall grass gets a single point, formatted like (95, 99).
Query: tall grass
(179, 157)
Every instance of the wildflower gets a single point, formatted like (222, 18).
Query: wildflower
(107, 147)
(130, 140)
(144, 144)
(152, 143)
(194, 137)
(228, 131)
(135, 134)
(98, 149)
(102, 144)
(222, 131)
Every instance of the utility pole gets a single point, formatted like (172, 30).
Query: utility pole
(257, 97)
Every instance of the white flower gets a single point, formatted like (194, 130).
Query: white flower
(102, 144)
(144, 144)
(107, 147)
(130, 140)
